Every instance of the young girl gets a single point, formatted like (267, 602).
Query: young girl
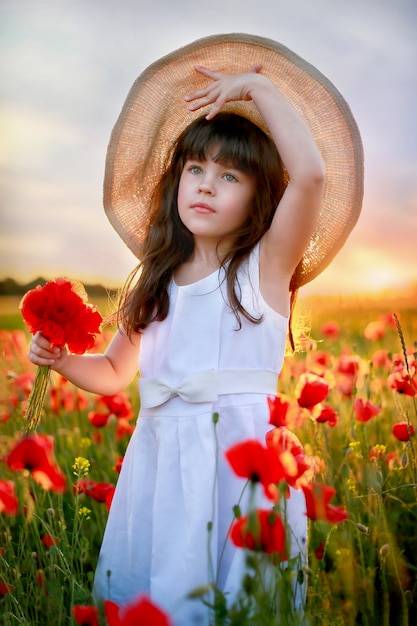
(206, 319)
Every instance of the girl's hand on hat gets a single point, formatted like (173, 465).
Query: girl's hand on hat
(224, 88)
(42, 352)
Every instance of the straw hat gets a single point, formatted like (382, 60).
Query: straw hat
(155, 113)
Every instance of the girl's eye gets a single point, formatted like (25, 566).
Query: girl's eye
(195, 169)
(230, 178)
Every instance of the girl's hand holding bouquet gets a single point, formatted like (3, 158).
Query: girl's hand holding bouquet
(61, 320)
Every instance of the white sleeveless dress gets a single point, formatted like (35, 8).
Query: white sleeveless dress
(175, 479)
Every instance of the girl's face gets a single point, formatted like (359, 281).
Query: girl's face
(214, 200)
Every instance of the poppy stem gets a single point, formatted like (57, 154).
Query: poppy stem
(35, 402)
(407, 366)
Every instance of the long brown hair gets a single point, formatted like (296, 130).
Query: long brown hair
(168, 243)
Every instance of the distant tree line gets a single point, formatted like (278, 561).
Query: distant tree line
(10, 287)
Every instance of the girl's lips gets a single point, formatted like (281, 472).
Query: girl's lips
(201, 207)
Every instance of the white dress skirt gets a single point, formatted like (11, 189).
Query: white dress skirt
(175, 479)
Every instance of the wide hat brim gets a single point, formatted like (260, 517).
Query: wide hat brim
(155, 113)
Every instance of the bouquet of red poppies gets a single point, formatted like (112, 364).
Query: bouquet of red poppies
(60, 311)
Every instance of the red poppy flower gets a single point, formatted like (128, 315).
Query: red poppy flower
(250, 459)
(62, 315)
(317, 498)
(141, 612)
(346, 385)
(318, 362)
(23, 383)
(348, 364)
(278, 408)
(83, 485)
(118, 467)
(5, 588)
(331, 330)
(85, 615)
(404, 381)
(13, 344)
(98, 491)
(118, 405)
(109, 498)
(262, 530)
(364, 411)
(9, 504)
(312, 390)
(403, 431)
(347, 370)
(389, 319)
(87, 324)
(13, 401)
(98, 420)
(374, 330)
(285, 412)
(389, 460)
(381, 360)
(327, 416)
(67, 398)
(319, 551)
(284, 440)
(36, 454)
(49, 541)
(124, 428)
(295, 467)
(40, 579)
(376, 453)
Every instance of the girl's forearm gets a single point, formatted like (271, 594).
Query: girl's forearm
(104, 374)
(94, 373)
(290, 133)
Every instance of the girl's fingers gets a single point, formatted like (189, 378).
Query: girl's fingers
(216, 108)
(202, 98)
(224, 87)
(195, 95)
(209, 92)
(42, 347)
(40, 340)
(202, 102)
(37, 357)
(207, 72)
(40, 356)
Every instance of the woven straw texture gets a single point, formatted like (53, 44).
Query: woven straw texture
(155, 113)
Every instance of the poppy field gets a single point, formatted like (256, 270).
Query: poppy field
(350, 397)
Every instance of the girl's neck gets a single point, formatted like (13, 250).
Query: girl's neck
(210, 252)
(203, 261)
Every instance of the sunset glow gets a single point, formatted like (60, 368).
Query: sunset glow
(64, 87)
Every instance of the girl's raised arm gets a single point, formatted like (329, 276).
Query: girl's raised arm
(288, 237)
(294, 221)
(104, 374)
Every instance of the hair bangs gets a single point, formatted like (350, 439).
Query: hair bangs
(228, 139)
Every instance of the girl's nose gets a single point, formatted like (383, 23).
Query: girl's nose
(206, 185)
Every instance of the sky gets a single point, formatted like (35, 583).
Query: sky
(66, 67)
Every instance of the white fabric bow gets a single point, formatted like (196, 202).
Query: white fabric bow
(206, 386)
(198, 387)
